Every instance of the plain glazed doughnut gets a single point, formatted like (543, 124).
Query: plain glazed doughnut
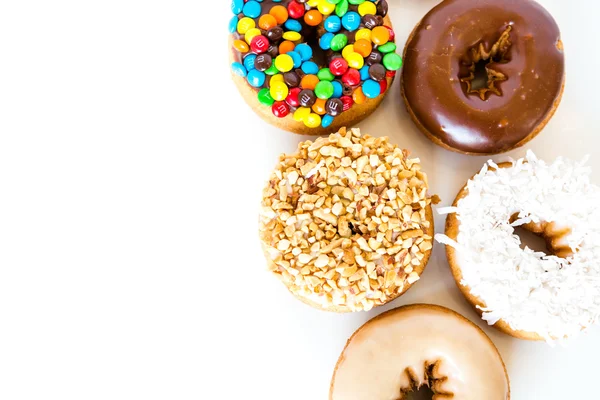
(312, 67)
(527, 294)
(346, 221)
(418, 345)
(483, 76)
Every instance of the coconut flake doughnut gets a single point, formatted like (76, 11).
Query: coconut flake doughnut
(312, 66)
(528, 294)
(401, 350)
(346, 222)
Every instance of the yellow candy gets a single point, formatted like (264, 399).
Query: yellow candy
(284, 63)
(292, 36)
(250, 34)
(313, 3)
(363, 33)
(355, 60)
(301, 113)
(367, 8)
(279, 91)
(276, 78)
(347, 51)
(325, 7)
(312, 120)
(245, 24)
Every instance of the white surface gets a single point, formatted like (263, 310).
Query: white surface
(129, 186)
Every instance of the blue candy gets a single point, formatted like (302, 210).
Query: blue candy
(293, 25)
(238, 69)
(337, 89)
(237, 6)
(304, 50)
(364, 73)
(249, 61)
(252, 9)
(309, 67)
(233, 24)
(333, 23)
(351, 20)
(326, 120)
(296, 57)
(256, 78)
(325, 41)
(371, 89)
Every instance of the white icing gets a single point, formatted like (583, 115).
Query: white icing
(531, 291)
(373, 364)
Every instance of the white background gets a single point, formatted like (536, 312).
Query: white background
(130, 180)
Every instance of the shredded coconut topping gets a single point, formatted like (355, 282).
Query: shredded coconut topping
(555, 297)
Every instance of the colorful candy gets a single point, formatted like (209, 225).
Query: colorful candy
(272, 58)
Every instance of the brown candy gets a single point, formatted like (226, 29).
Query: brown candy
(334, 107)
(307, 98)
(382, 8)
(274, 34)
(273, 51)
(374, 58)
(292, 79)
(377, 72)
(370, 21)
(263, 62)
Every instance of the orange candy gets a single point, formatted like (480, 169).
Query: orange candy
(313, 18)
(380, 35)
(241, 46)
(358, 96)
(280, 13)
(267, 22)
(363, 47)
(286, 46)
(309, 82)
(319, 107)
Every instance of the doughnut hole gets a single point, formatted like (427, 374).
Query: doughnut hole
(547, 237)
(424, 393)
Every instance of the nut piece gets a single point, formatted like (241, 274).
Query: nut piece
(343, 221)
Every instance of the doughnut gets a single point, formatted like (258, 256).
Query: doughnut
(483, 77)
(527, 294)
(346, 222)
(312, 66)
(411, 348)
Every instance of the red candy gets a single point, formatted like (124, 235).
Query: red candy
(383, 85)
(338, 66)
(351, 77)
(295, 9)
(259, 44)
(280, 109)
(390, 74)
(292, 98)
(348, 102)
(392, 34)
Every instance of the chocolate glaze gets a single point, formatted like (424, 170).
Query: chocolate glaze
(438, 55)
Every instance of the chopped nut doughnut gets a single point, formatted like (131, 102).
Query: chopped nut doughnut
(346, 222)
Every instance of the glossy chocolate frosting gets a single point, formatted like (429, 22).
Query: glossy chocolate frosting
(520, 43)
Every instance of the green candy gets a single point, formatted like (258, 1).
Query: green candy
(324, 90)
(387, 48)
(338, 42)
(325, 75)
(272, 70)
(342, 8)
(392, 61)
(264, 97)
(356, 2)
(333, 1)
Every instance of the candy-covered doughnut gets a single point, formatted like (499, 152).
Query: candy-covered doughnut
(528, 294)
(346, 221)
(483, 76)
(400, 351)
(312, 66)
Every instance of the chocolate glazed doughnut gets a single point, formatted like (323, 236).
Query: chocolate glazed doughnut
(483, 77)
